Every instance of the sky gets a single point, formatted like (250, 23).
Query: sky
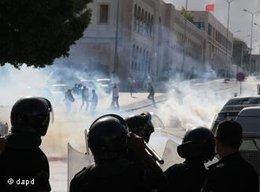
(240, 21)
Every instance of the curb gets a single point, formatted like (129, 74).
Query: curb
(143, 103)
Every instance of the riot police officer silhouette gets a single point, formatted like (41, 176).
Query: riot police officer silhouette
(197, 148)
(109, 140)
(23, 165)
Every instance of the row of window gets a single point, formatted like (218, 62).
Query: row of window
(141, 60)
(218, 53)
(223, 40)
(212, 32)
(143, 21)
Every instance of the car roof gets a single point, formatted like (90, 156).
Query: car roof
(249, 118)
(238, 103)
(250, 111)
(243, 100)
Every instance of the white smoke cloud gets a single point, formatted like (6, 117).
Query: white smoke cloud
(191, 104)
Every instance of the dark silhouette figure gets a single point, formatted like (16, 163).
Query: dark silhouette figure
(232, 173)
(23, 165)
(109, 141)
(197, 148)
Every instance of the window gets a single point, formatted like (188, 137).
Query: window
(103, 13)
(201, 25)
(209, 29)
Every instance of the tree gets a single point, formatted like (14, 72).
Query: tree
(35, 32)
(241, 52)
(187, 15)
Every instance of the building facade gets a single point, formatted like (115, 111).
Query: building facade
(219, 41)
(142, 39)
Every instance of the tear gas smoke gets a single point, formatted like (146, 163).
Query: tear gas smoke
(191, 104)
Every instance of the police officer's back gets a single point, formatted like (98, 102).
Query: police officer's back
(197, 148)
(23, 165)
(108, 140)
(232, 173)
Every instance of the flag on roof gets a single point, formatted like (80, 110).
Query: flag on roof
(210, 7)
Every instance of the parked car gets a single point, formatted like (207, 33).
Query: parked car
(249, 119)
(105, 84)
(232, 107)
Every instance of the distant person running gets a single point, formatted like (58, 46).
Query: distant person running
(84, 97)
(69, 99)
(150, 90)
(131, 86)
(115, 96)
(94, 102)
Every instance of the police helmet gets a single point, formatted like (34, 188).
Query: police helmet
(32, 115)
(197, 143)
(107, 137)
(141, 125)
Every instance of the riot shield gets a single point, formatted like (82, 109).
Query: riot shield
(77, 161)
(170, 155)
(165, 143)
(157, 122)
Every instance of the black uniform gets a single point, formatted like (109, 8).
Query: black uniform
(231, 174)
(117, 176)
(186, 177)
(23, 165)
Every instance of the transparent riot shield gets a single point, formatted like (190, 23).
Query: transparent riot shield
(157, 122)
(170, 155)
(77, 160)
(165, 143)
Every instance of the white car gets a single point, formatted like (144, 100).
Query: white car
(105, 84)
(249, 119)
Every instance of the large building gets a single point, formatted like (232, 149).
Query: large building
(219, 41)
(148, 38)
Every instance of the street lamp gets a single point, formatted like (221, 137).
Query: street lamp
(115, 67)
(251, 38)
(227, 60)
(184, 44)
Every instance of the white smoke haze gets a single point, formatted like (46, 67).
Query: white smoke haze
(191, 104)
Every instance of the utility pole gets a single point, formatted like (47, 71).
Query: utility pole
(227, 58)
(251, 36)
(185, 39)
(115, 69)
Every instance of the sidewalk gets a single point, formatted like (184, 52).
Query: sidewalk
(129, 103)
